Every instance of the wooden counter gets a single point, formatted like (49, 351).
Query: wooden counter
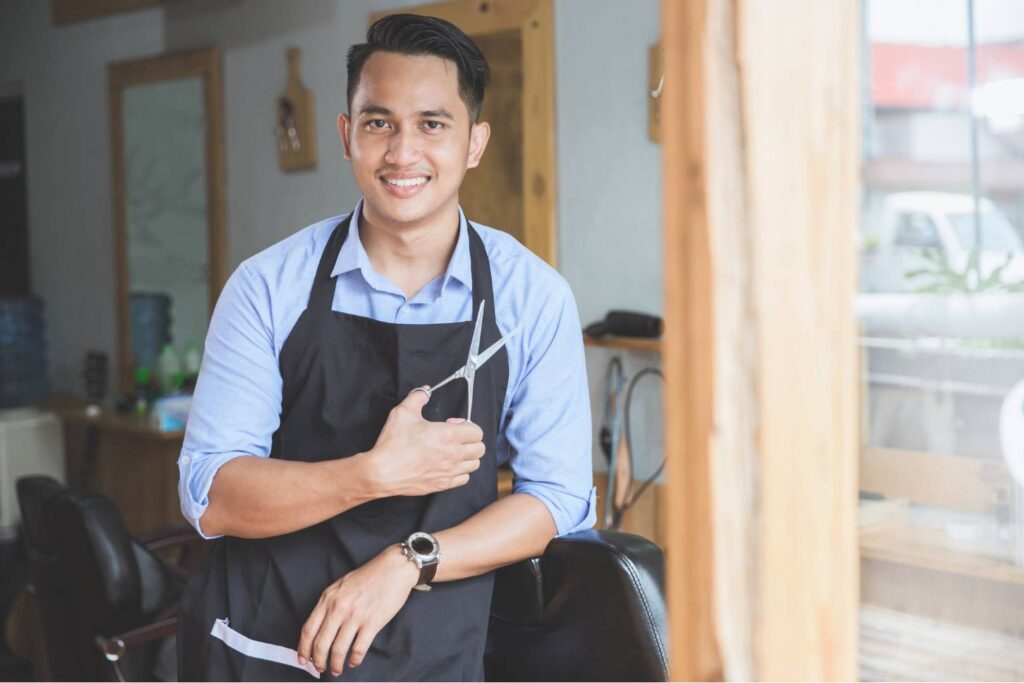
(125, 458)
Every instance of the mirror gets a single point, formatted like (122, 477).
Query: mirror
(169, 196)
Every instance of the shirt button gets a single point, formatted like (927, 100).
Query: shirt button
(185, 460)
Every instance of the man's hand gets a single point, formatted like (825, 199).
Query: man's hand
(353, 609)
(416, 457)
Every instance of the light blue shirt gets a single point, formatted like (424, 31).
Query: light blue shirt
(545, 422)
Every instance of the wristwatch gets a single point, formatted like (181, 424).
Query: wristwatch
(424, 550)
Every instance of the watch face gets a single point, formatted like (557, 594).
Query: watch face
(422, 546)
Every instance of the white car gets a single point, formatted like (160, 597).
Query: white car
(898, 234)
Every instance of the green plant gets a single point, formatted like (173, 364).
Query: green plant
(941, 277)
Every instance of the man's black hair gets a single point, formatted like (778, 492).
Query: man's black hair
(416, 35)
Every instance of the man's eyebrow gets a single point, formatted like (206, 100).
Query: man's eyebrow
(375, 109)
(437, 114)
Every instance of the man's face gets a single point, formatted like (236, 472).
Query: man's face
(410, 138)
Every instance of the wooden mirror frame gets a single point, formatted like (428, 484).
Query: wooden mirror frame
(534, 21)
(69, 11)
(206, 64)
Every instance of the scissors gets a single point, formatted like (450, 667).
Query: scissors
(473, 362)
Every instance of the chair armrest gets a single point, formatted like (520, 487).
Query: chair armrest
(169, 536)
(193, 548)
(113, 649)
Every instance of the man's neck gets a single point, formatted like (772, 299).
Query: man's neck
(410, 255)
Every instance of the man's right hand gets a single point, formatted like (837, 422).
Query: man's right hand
(414, 457)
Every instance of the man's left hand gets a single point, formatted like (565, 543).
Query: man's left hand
(353, 609)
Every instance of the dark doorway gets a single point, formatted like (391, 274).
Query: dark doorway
(14, 270)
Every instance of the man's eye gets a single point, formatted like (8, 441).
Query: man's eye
(433, 125)
(378, 123)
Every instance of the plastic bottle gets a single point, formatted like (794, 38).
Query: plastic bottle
(192, 361)
(142, 377)
(167, 366)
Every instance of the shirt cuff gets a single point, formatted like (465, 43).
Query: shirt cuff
(195, 477)
(570, 512)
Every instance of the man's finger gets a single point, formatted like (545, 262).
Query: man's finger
(362, 645)
(416, 399)
(309, 631)
(341, 645)
(324, 639)
(468, 432)
(472, 452)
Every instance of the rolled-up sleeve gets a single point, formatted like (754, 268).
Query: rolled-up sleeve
(236, 407)
(548, 427)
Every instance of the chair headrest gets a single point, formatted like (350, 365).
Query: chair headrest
(91, 536)
(33, 494)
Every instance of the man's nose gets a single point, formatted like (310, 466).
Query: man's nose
(403, 149)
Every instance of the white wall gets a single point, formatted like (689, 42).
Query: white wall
(63, 76)
(608, 172)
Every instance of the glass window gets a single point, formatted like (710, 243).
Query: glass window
(942, 341)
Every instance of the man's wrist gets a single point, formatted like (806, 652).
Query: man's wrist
(405, 568)
(356, 477)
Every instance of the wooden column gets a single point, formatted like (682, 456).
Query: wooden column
(761, 184)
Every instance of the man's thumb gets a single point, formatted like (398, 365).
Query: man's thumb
(416, 399)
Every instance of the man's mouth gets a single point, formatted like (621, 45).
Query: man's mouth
(406, 182)
(404, 185)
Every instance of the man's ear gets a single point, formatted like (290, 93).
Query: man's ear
(479, 134)
(345, 130)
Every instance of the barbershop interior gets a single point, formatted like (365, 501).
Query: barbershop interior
(794, 234)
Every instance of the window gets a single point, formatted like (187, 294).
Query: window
(942, 344)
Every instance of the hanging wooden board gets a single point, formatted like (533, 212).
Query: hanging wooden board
(296, 120)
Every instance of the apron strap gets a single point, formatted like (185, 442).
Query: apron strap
(482, 287)
(321, 295)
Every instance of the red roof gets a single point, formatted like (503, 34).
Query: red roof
(935, 77)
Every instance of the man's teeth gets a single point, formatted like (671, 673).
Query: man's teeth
(411, 182)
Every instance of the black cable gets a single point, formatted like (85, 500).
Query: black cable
(615, 379)
(631, 499)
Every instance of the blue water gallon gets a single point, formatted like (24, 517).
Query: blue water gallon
(24, 373)
(151, 326)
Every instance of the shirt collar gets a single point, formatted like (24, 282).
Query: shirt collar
(352, 255)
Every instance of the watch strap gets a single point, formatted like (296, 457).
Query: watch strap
(427, 572)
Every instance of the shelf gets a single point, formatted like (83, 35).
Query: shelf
(624, 343)
(928, 549)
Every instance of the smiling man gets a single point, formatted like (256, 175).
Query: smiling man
(334, 487)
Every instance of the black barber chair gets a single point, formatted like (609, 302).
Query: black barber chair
(107, 600)
(591, 609)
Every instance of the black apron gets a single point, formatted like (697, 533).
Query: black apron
(342, 374)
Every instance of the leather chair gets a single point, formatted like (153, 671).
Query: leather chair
(106, 599)
(591, 609)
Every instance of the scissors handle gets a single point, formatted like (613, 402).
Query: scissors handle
(458, 374)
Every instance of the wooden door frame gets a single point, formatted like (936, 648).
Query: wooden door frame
(761, 193)
(534, 20)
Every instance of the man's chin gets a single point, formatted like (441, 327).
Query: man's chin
(401, 211)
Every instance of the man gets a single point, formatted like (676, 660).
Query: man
(311, 346)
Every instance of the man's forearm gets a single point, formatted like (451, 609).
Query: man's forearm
(253, 497)
(513, 528)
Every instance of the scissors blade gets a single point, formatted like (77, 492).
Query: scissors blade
(474, 346)
(458, 374)
(493, 348)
